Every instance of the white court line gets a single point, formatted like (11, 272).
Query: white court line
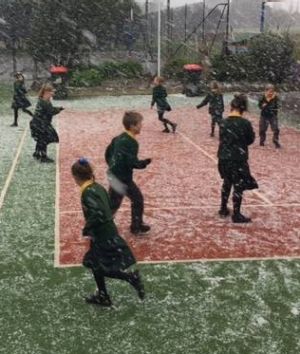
(262, 197)
(12, 169)
(57, 212)
(199, 207)
(203, 260)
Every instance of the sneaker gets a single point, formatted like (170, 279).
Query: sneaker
(166, 130)
(277, 145)
(97, 299)
(141, 229)
(14, 125)
(46, 159)
(240, 218)
(136, 282)
(36, 155)
(224, 212)
(174, 126)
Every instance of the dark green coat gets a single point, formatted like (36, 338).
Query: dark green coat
(269, 109)
(159, 96)
(216, 103)
(107, 249)
(122, 157)
(236, 134)
(20, 100)
(40, 125)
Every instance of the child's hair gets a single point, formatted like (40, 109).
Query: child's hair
(159, 79)
(239, 102)
(269, 87)
(131, 118)
(82, 169)
(19, 74)
(214, 85)
(45, 88)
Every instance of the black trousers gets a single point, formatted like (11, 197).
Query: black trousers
(16, 113)
(100, 275)
(165, 121)
(237, 195)
(137, 202)
(41, 148)
(264, 123)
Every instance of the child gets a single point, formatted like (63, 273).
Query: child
(236, 134)
(122, 157)
(108, 254)
(159, 95)
(269, 105)
(42, 130)
(216, 105)
(19, 100)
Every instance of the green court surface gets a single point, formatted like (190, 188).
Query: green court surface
(244, 307)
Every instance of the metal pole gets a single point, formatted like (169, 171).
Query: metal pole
(203, 21)
(158, 37)
(227, 28)
(262, 16)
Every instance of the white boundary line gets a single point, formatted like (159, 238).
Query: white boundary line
(204, 260)
(262, 197)
(57, 213)
(13, 168)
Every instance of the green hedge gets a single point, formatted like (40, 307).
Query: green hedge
(94, 76)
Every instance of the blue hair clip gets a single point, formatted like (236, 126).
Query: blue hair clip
(83, 161)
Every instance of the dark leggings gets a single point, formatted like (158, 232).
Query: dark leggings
(165, 121)
(237, 195)
(41, 148)
(16, 113)
(100, 275)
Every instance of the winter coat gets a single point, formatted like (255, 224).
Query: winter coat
(40, 125)
(269, 108)
(20, 100)
(216, 103)
(108, 251)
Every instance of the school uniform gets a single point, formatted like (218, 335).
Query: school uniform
(159, 97)
(122, 158)
(20, 101)
(42, 130)
(109, 254)
(215, 109)
(269, 116)
(236, 134)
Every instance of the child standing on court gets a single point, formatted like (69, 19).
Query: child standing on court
(159, 97)
(20, 101)
(42, 130)
(216, 105)
(236, 134)
(269, 105)
(122, 158)
(108, 255)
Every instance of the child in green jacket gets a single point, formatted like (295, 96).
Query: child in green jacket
(109, 254)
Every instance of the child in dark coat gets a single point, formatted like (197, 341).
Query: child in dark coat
(42, 130)
(159, 97)
(216, 105)
(236, 134)
(20, 101)
(269, 105)
(122, 158)
(108, 255)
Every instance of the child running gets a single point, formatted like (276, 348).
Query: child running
(122, 158)
(216, 105)
(236, 134)
(108, 255)
(269, 105)
(159, 97)
(42, 130)
(20, 101)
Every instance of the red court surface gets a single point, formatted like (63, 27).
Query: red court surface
(181, 188)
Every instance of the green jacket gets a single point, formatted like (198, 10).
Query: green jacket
(216, 103)
(20, 100)
(269, 109)
(108, 250)
(159, 96)
(236, 134)
(122, 157)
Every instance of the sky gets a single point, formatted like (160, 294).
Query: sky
(286, 4)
